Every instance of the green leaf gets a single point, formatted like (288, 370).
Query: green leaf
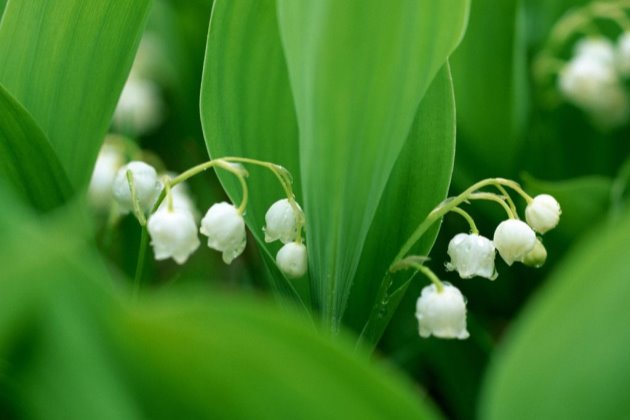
(66, 62)
(247, 109)
(407, 200)
(27, 161)
(567, 356)
(489, 73)
(358, 71)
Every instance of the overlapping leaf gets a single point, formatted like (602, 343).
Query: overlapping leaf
(66, 61)
(358, 71)
(27, 161)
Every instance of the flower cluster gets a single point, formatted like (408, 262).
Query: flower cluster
(441, 307)
(164, 204)
(593, 79)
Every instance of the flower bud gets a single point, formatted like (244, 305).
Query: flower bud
(543, 213)
(146, 183)
(225, 228)
(514, 239)
(441, 313)
(537, 256)
(281, 222)
(173, 234)
(110, 159)
(472, 255)
(291, 260)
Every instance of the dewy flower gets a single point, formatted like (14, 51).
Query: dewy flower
(514, 239)
(442, 313)
(225, 228)
(146, 183)
(110, 159)
(543, 213)
(472, 255)
(623, 54)
(173, 234)
(291, 260)
(281, 222)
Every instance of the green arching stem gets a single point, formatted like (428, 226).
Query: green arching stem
(284, 182)
(508, 198)
(137, 281)
(496, 199)
(469, 219)
(167, 191)
(450, 203)
(430, 275)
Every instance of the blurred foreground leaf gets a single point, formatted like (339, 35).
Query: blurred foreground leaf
(567, 356)
(27, 161)
(72, 348)
(66, 62)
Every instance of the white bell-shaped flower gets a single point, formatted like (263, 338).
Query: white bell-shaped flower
(281, 222)
(173, 234)
(623, 54)
(225, 228)
(181, 198)
(442, 313)
(292, 260)
(472, 255)
(110, 159)
(140, 107)
(146, 183)
(514, 239)
(543, 213)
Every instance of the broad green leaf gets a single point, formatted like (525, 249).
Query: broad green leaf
(407, 199)
(358, 70)
(567, 355)
(247, 108)
(27, 161)
(66, 62)
(490, 77)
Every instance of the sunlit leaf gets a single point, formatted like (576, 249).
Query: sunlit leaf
(358, 71)
(427, 154)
